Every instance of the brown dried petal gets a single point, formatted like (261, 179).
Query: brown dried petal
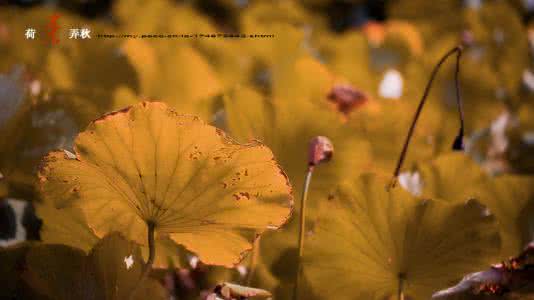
(347, 98)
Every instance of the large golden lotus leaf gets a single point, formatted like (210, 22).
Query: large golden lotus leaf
(147, 164)
(510, 198)
(372, 241)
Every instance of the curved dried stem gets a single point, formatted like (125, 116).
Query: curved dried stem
(458, 142)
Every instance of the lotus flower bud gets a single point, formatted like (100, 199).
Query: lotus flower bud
(321, 150)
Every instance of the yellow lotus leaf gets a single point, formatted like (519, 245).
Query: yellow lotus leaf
(372, 242)
(282, 12)
(225, 55)
(143, 17)
(348, 56)
(438, 18)
(148, 165)
(124, 96)
(273, 52)
(189, 89)
(453, 177)
(96, 63)
(298, 86)
(112, 270)
(264, 14)
(511, 199)
(456, 177)
(408, 34)
(68, 226)
(160, 17)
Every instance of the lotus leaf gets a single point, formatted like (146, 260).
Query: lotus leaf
(148, 165)
(112, 270)
(373, 242)
(455, 177)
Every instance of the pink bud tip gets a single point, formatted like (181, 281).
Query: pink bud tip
(321, 150)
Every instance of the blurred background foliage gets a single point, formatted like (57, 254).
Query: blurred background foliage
(350, 70)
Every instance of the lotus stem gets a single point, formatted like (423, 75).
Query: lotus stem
(302, 229)
(321, 150)
(400, 295)
(253, 260)
(151, 246)
(150, 261)
(458, 142)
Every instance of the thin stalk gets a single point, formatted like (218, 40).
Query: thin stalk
(253, 260)
(302, 229)
(400, 295)
(150, 261)
(151, 247)
(457, 145)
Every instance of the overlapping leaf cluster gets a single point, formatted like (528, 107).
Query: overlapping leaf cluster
(452, 213)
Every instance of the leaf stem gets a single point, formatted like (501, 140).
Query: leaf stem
(458, 144)
(400, 295)
(150, 261)
(151, 246)
(302, 228)
(253, 260)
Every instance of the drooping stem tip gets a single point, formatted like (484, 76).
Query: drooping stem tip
(458, 141)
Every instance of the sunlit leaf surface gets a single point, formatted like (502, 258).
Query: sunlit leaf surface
(509, 197)
(147, 164)
(371, 242)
